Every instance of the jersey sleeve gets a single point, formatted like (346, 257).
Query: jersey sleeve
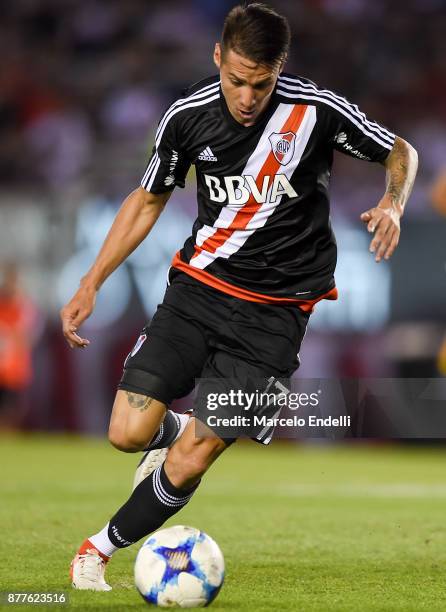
(352, 133)
(168, 165)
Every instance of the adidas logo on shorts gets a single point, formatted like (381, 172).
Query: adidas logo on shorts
(207, 155)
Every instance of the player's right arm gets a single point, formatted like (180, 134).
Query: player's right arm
(136, 217)
(166, 169)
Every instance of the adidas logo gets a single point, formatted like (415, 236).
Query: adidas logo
(207, 155)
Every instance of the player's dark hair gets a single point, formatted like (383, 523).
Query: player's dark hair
(257, 32)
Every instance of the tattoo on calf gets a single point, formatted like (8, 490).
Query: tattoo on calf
(138, 401)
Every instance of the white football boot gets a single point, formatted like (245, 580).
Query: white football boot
(148, 464)
(154, 458)
(87, 570)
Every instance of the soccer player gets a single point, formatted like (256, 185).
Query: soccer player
(261, 254)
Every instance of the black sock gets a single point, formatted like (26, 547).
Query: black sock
(153, 501)
(167, 432)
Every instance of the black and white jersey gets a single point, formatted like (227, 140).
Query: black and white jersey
(263, 227)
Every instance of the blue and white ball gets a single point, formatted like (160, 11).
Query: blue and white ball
(179, 566)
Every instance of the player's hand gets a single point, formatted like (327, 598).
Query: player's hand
(74, 314)
(384, 222)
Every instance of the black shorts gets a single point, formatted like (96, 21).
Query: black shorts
(200, 333)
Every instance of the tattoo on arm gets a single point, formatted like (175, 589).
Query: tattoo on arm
(401, 168)
(138, 401)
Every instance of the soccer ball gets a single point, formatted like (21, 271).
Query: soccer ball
(179, 566)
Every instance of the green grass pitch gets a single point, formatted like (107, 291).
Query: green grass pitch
(303, 528)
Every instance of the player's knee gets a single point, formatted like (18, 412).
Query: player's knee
(117, 440)
(125, 441)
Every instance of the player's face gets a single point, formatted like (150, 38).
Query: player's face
(246, 86)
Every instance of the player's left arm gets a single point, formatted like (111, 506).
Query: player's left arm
(384, 219)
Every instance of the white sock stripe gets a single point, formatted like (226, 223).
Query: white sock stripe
(383, 143)
(184, 420)
(349, 106)
(204, 91)
(166, 502)
(163, 496)
(172, 498)
(159, 436)
(177, 420)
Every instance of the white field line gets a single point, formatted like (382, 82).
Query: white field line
(401, 490)
(390, 490)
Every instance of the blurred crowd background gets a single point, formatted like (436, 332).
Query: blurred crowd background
(82, 86)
